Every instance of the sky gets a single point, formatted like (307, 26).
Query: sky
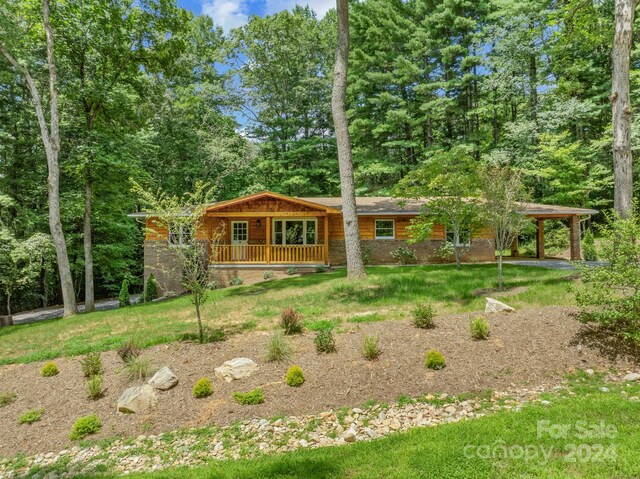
(235, 13)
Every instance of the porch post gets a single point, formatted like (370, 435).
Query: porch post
(268, 239)
(540, 239)
(574, 236)
(326, 238)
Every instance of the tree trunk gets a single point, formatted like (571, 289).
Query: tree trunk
(355, 265)
(621, 107)
(200, 330)
(500, 270)
(89, 304)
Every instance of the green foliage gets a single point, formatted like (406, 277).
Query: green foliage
(291, 321)
(589, 251)
(151, 289)
(236, 281)
(95, 388)
(404, 255)
(208, 336)
(435, 360)
(370, 348)
(479, 328)
(124, 299)
(31, 416)
(610, 295)
(138, 367)
(367, 254)
(256, 396)
(292, 270)
(7, 397)
(85, 426)
(268, 274)
(278, 347)
(324, 341)
(129, 349)
(423, 316)
(91, 365)
(295, 376)
(50, 369)
(202, 388)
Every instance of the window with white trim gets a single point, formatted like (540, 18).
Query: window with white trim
(295, 231)
(464, 237)
(179, 236)
(385, 229)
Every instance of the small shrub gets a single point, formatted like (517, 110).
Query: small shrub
(137, 368)
(278, 347)
(7, 398)
(84, 426)
(479, 328)
(32, 416)
(404, 255)
(249, 398)
(320, 269)
(589, 250)
(446, 251)
(213, 285)
(129, 349)
(202, 388)
(291, 271)
(49, 369)
(324, 341)
(423, 316)
(91, 365)
(295, 376)
(268, 274)
(291, 321)
(367, 254)
(94, 387)
(435, 360)
(237, 281)
(151, 289)
(370, 349)
(123, 298)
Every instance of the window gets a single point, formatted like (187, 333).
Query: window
(179, 235)
(464, 237)
(294, 231)
(385, 229)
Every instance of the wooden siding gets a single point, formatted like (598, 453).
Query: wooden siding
(263, 205)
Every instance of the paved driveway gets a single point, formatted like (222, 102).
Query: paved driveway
(549, 263)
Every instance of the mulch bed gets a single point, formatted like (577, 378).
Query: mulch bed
(526, 348)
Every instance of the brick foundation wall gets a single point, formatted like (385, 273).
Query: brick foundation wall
(163, 262)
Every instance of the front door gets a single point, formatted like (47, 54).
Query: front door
(239, 240)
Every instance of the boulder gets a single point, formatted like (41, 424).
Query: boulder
(137, 399)
(236, 368)
(164, 379)
(631, 377)
(349, 436)
(495, 306)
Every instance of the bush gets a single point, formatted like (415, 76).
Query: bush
(202, 388)
(91, 365)
(129, 349)
(32, 416)
(295, 376)
(7, 398)
(367, 254)
(324, 341)
(435, 360)
(151, 289)
(123, 298)
(370, 348)
(278, 347)
(237, 281)
(84, 426)
(212, 285)
(94, 387)
(479, 328)
(404, 255)
(49, 369)
(291, 271)
(137, 368)
(320, 269)
(291, 321)
(268, 274)
(589, 251)
(423, 316)
(249, 398)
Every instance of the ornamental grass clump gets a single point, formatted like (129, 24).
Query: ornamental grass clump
(295, 376)
(278, 347)
(129, 349)
(49, 370)
(479, 328)
(137, 368)
(202, 388)
(253, 397)
(435, 360)
(95, 388)
(370, 349)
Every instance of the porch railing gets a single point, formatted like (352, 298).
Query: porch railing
(265, 254)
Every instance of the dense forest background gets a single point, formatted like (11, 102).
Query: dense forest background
(152, 93)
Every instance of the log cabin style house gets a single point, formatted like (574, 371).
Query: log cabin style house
(269, 230)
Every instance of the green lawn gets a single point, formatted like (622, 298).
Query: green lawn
(389, 292)
(451, 451)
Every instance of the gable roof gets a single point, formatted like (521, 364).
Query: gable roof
(268, 194)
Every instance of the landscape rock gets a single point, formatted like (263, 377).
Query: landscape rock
(495, 306)
(349, 436)
(236, 368)
(631, 377)
(164, 379)
(137, 399)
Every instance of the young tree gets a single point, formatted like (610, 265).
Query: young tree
(355, 264)
(449, 182)
(502, 188)
(50, 135)
(621, 107)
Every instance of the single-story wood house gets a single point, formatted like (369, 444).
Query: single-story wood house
(269, 230)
